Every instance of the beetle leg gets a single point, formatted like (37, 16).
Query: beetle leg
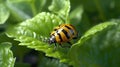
(55, 45)
(76, 36)
(60, 45)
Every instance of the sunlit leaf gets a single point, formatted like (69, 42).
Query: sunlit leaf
(95, 30)
(4, 13)
(61, 7)
(6, 55)
(33, 33)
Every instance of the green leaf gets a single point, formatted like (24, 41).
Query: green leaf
(37, 5)
(15, 1)
(4, 13)
(33, 33)
(76, 14)
(98, 47)
(6, 55)
(37, 27)
(17, 10)
(95, 30)
(61, 7)
(40, 4)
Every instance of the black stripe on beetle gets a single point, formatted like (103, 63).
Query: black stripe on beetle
(66, 34)
(67, 27)
(70, 30)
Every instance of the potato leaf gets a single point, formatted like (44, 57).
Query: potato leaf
(4, 13)
(6, 55)
(98, 47)
(61, 7)
(34, 32)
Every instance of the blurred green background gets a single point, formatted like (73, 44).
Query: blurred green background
(84, 14)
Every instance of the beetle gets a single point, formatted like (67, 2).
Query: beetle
(62, 34)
